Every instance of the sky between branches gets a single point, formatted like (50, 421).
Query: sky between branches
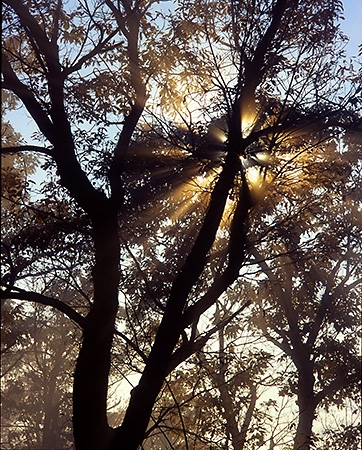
(351, 26)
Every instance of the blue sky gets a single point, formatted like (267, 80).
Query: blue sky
(352, 25)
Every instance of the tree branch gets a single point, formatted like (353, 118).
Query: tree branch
(336, 385)
(26, 148)
(132, 345)
(327, 300)
(21, 294)
(35, 31)
(137, 107)
(189, 347)
(99, 48)
(12, 83)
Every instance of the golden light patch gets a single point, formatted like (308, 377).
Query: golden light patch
(247, 123)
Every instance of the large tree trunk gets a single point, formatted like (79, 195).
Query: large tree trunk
(307, 404)
(91, 429)
(303, 437)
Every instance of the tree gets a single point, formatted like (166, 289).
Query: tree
(36, 384)
(9, 137)
(258, 68)
(310, 282)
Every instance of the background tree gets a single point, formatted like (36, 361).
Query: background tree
(259, 70)
(36, 384)
(308, 292)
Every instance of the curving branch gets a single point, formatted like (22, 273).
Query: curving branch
(12, 83)
(22, 294)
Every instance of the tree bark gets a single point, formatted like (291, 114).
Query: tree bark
(91, 429)
(306, 403)
(303, 437)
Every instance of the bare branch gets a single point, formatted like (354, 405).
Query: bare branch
(21, 294)
(190, 347)
(26, 148)
(131, 344)
(99, 48)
